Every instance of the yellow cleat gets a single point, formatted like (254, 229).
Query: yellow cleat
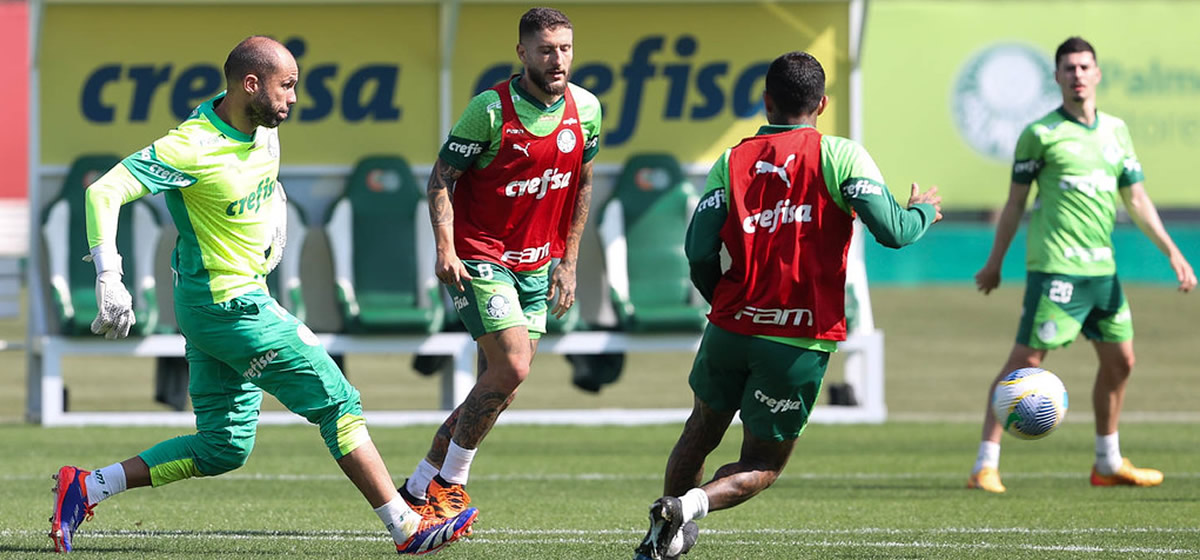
(1128, 475)
(987, 478)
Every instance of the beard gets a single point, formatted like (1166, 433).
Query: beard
(539, 80)
(261, 112)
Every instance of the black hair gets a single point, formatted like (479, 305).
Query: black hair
(796, 83)
(1071, 46)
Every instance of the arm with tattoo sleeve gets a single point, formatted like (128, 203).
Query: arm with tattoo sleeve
(448, 268)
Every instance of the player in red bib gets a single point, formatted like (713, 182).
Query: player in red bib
(509, 192)
(782, 203)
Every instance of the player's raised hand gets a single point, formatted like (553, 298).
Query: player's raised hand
(562, 289)
(988, 278)
(1184, 273)
(451, 271)
(928, 197)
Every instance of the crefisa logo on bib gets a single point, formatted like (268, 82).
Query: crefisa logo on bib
(998, 92)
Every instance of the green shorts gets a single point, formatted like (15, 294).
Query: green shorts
(249, 343)
(773, 385)
(498, 298)
(1058, 307)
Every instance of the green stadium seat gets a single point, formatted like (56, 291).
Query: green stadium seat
(284, 281)
(382, 248)
(642, 229)
(72, 280)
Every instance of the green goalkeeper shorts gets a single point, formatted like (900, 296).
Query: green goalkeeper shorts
(249, 343)
(1058, 307)
(499, 298)
(773, 385)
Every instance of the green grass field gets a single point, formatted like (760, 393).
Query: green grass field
(888, 491)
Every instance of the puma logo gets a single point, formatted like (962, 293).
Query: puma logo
(523, 149)
(767, 167)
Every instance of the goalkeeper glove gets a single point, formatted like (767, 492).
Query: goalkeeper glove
(279, 234)
(115, 314)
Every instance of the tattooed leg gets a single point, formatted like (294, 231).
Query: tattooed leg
(507, 355)
(441, 439)
(445, 432)
(701, 435)
(758, 467)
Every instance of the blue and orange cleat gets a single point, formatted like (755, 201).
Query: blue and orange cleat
(434, 533)
(71, 507)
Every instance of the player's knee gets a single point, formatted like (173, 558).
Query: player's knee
(1121, 367)
(221, 455)
(508, 373)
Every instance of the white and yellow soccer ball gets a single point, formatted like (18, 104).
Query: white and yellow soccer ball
(1030, 402)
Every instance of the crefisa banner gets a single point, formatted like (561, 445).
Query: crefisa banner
(115, 76)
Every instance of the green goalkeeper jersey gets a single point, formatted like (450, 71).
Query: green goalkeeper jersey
(219, 185)
(1079, 171)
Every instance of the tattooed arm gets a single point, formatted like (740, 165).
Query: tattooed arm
(562, 282)
(448, 268)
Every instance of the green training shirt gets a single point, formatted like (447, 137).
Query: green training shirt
(854, 183)
(1079, 170)
(219, 185)
(475, 138)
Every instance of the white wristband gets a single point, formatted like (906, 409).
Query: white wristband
(106, 258)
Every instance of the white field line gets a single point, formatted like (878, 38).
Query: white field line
(571, 536)
(501, 532)
(1133, 417)
(620, 477)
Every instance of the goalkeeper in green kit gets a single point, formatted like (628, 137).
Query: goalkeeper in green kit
(1084, 163)
(218, 171)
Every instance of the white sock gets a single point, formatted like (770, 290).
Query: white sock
(676, 545)
(457, 466)
(1108, 454)
(695, 504)
(105, 483)
(400, 520)
(989, 456)
(418, 483)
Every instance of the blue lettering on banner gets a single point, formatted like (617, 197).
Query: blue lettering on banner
(367, 94)
(714, 86)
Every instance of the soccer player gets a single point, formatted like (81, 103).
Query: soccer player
(1083, 161)
(782, 203)
(218, 171)
(509, 191)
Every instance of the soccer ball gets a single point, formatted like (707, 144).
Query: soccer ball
(1030, 403)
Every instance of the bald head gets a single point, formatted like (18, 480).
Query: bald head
(261, 78)
(258, 55)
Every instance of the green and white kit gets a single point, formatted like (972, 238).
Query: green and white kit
(220, 188)
(1072, 284)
